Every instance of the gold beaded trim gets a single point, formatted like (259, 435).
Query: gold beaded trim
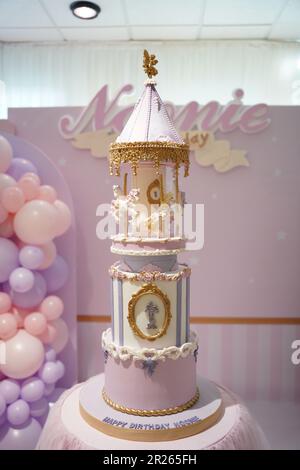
(163, 412)
(134, 152)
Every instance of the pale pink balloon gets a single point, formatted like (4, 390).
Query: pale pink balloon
(47, 193)
(49, 335)
(24, 356)
(62, 335)
(49, 250)
(5, 302)
(6, 181)
(3, 214)
(64, 217)
(6, 154)
(33, 176)
(12, 199)
(35, 223)
(35, 323)
(20, 314)
(29, 186)
(7, 227)
(8, 326)
(52, 307)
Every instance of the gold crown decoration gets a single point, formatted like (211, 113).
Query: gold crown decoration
(148, 64)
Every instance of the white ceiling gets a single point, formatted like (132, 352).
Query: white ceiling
(52, 20)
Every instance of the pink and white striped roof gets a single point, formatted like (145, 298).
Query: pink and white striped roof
(149, 121)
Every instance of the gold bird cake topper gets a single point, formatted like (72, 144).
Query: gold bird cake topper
(148, 64)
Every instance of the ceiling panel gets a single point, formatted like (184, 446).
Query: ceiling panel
(164, 12)
(33, 34)
(230, 12)
(112, 14)
(167, 32)
(95, 34)
(235, 32)
(288, 24)
(23, 14)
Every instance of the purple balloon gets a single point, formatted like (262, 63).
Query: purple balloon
(31, 298)
(20, 166)
(10, 390)
(9, 258)
(18, 413)
(2, 405)
(22, 438)
(39, 408)
(60, 369)
(21, 280)
(49, 389)
(50, 354)
(56, 275)
(49, 373)
(2, 421)
(31, 257)
(32, 389)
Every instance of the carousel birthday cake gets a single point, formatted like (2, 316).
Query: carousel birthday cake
(150, 352)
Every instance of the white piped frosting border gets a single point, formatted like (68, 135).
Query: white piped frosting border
(126, 352)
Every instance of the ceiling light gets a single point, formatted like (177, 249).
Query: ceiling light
(85, 10)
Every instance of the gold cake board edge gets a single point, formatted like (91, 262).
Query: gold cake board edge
(153, 435)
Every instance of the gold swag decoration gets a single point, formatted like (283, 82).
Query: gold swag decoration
(156, 152)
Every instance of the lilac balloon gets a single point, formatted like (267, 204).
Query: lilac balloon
(2, 421)
(21, 280)
(32, 389)
(31, 298)
(60, 369)
(50, 355)
(39, 408)
(10, 390)
(20, 438)
(9, 258)
(49, 389)
(20, 166)
(2, 405)
(56, 275)
(49, 373)
(18, 413)
(31, 257)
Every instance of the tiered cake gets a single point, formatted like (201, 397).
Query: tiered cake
(150, 352)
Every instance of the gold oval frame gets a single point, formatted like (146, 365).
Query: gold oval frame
(154, 184)
(149, 289)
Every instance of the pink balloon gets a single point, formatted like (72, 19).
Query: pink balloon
(52, 307)
(35, 323)
(47, 193)
(6, 154)
(5, 302)
(24, 355)
(6, 181)
(62, 335)
(3, 214)
(64, 217)
(33, 176)
(20, 315)
(49, 336)
(35, 223)
(12, 199)
(7, 227)
(29, 186)
(49, 250)
(8, 326)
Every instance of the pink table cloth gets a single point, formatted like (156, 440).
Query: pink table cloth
(66, 430)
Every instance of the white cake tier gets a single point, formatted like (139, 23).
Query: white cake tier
(150, 309)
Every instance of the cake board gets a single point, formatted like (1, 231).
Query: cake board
(205, 413)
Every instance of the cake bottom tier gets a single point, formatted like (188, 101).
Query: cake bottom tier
(144, 388)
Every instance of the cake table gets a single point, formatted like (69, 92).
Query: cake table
(65, 429)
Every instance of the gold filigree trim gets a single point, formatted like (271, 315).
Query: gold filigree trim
(163, 412)
(148, 276)
(156, 152)
(147, 289)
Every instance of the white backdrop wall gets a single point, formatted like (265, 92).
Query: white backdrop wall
(37, 74)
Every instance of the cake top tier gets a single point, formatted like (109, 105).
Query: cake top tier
(149, 134)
